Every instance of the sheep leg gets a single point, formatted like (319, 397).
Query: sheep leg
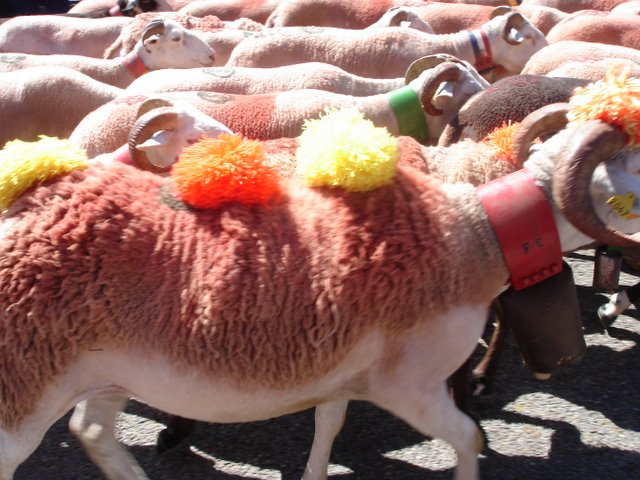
(618, 303)
(484, 373)
(329, 418)
(93, 422)
(17, 444)
(431, 410)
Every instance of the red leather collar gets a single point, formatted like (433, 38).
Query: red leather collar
(522, 219)
(134, 64)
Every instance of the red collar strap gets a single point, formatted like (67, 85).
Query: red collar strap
(481, 50)
(521, 217)
(134, 64)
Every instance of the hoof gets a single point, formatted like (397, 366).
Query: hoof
(480, 387)
(606, 319)
(541, 376)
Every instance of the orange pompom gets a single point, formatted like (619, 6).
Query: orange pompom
(502, 139)
(228, 168)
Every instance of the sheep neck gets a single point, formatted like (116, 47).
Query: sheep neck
(523, 221)
(134, 64)
(481, 49)
(408, 111)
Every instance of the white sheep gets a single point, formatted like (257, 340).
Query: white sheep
(47, 34)
(48, 101)
(244, 313)
(164, 44)
(505, 42)
(255, 80)
(421, 109)
(555, 55)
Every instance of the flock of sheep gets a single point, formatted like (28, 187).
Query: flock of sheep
(113, 285)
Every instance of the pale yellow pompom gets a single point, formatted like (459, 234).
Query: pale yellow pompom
(22, 164)
(343, 149)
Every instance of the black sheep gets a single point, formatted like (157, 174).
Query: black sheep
(509, 99)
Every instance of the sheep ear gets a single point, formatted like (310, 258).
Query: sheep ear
(511, 32)
(501, 10)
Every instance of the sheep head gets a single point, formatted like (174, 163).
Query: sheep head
(167, 44)
(402, 16)
(513, 39)
(443, 84)
(593, 166)
(163, 129)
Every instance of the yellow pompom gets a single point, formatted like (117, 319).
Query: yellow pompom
(615, 100)
(23, 164)
(343, 149)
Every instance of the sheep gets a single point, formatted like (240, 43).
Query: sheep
(231, 9)
(575, 5)
(255, 312)
(48, 101)
(248, 80)
(556, 54)
(508, 100)
(442, 17)
(106, 8)
(506, 42)
(227, 34)
(164, 44)
(601, 27)
(631, 7)
(594, 69)
(421, 109)
(455, 17)
(46, 34)
(354, 14)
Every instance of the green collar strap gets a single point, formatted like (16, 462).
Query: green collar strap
(409, 112)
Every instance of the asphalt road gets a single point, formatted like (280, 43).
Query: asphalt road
(584, 423)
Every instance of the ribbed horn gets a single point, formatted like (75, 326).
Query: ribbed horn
(425, 63)
(546, 120)
(451, 133)
(152, 103)
(153, 27)
(514, 20)
(596, 142)
(449, 73)
(163, 118)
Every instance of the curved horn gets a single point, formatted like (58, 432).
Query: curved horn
(152, 103)
(163, 118)
(153, 27)
(546, 120)
(596, 142)
(501, 10)
(425, 63)
(514, 20)
(449, 73)
(451, 133)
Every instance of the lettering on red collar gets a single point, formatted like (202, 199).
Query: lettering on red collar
(523, 221)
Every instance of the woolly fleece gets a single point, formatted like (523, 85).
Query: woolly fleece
(270, 297)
